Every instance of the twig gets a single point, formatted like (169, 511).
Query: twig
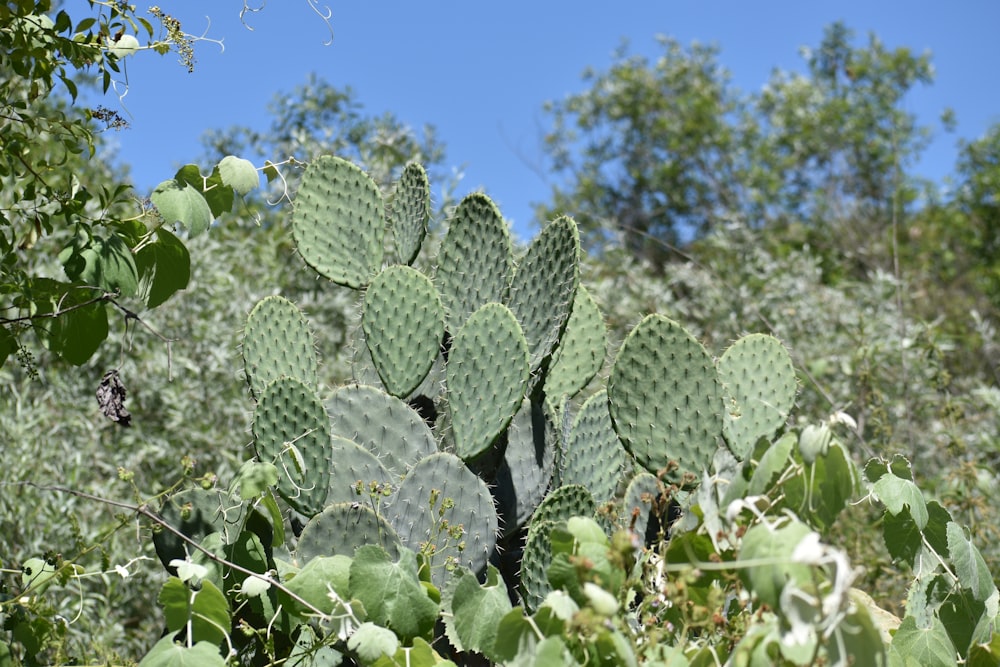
(144, 511)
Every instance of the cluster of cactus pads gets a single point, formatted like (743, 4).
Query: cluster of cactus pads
(474, 423)
(466, 432)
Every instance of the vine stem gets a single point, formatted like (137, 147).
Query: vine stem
(144, 511)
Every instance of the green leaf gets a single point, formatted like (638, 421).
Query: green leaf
(238, 174)
(165, 653)
(254, 477)
(371, 642)
(986, 654)
(895, 493)
(218, 195)
(472, 612)
(762, 542)
(314, 582)
(105, 263)
(75, 335)
(905, 540)
(391, 592)
(164, 268)
(180, 202)
(206, 610)
(927, 647)
(970, 567)
(8, 344)
(36, 574)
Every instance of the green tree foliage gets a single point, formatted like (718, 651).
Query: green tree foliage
(650, 151)
(316, 118)
(115, 255)
(668, 151)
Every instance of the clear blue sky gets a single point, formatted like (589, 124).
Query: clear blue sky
(480, 72)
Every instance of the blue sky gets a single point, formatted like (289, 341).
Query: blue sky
(480, 72)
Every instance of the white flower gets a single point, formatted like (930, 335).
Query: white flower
(188, 571)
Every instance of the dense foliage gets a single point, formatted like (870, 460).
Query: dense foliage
(730, 213)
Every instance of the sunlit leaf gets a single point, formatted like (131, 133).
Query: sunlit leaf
(180, 202)
(239, 174)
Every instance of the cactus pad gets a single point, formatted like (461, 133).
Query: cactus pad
(487, 374)
(639, 505)
(564, 502)
(528, 462)
(338, 222)
(292, 431)
(461, 501)
(403, 321)
(343, 527)
(665, 399)
(544, 285)
(759, 381)
(594, 456)
(535, 564)
(352, 463)
(383, 424)
(581, 349)
(476, 260)
(408, 211)
(277, 342)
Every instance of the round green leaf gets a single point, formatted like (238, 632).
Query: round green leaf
(239, 174)
(179, 202)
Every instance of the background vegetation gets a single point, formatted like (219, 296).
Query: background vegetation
(791, 211)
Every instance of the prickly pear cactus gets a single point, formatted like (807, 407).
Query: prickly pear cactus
(476, 260)
(277, 342)
(292, 431)
(338, 222)
(487, 375)
(665, 399)
(383, 424)
(408, 211)
(759, 382)
(581, 350)
(343, 527)
(441, 502)
(403, 321)
(541, 294)
(594, 456)
(528, 462)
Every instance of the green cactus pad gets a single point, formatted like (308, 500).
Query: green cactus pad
(581, 349)
(476, 260)
(564, 502)
(292, 431)
(757, 374)
(535, 563)
(544, 285)
(408, 211)
(403, 321)
(444, 476)
(528, 462)
(383, 424)
(352, 463)
(338, 222)
(639, 502)
(486, 375)
(594, 456)
(276, 343)
(665, 399)
(343, 527)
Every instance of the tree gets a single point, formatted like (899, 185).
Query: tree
(650, 152)
(115, 255)
(836, 144)
(667, 152)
